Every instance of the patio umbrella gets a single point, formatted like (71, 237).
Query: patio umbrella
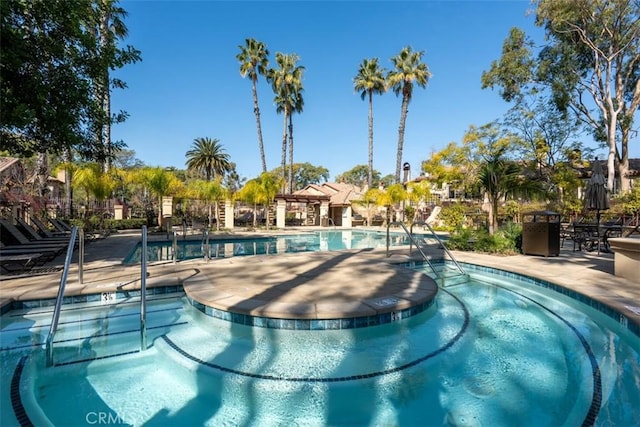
(595, 196)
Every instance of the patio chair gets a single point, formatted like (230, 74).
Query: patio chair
(60, 225)
(45, 230)
(12, 264)
(32, 235)
(11, 235)
(46, 254)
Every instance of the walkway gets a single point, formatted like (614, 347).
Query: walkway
(316, 284)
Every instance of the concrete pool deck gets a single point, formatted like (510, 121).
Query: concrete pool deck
(313, 284)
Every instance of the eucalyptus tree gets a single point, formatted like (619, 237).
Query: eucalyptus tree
(254, 61)
(370, 81)
(305, 174)
(286, 82)
(591, 66)
(359, 175)
(208, 156)
(408, 71)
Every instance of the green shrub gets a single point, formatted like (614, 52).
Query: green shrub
(124, 224)
(506, 241)
(452, 216)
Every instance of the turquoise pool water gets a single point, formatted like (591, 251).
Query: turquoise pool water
(494, 351)
(333, 240)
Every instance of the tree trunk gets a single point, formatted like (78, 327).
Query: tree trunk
(403, 120)
(370, 171)
(291, 188)
(68, 189)
(106, 91)
(217, 215)
(256, 110)
(42, 171)
(623, 163)
(283, 161)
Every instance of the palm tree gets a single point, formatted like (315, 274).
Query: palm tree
(408, 71)
(207, 155)
(261, 190)
(253, 58)
(369, 81)
(286, 82)
(158, 181)
(500, 178)
(211, 191)
(386, 198)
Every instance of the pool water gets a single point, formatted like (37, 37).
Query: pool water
(333, 240)
(488, 352)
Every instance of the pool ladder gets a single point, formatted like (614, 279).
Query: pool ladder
(53, 329)
(413, 241)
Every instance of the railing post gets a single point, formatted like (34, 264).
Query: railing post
(207, 248)
(143, 290)
(175, 247)
(56, 310)
(81, 256)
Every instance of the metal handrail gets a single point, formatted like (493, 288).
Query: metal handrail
(81, 256)
(143, 290)
(56, 310)
(411, 239)
(174, 247)
(206, 249)
(455, 261)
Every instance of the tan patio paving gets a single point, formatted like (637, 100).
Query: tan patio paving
(315, 284)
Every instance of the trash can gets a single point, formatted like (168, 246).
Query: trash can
(324, 221)
(541, 233)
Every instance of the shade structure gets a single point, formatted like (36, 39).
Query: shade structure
(596, 197)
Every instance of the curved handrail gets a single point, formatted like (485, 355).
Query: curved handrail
(411, 239)
(143, 290)
(204, 245)
(455, 261)
(56, 310)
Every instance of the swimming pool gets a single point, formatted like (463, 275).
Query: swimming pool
(498, 350)
(221, 247)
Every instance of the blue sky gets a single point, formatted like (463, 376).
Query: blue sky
(188, 84)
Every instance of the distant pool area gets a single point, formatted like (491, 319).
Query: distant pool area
(224, 247)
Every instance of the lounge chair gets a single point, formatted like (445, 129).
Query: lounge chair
(46, 254)
(60, 225)
(32, 235)
(45, 230)
(11, 235)
(20, 263)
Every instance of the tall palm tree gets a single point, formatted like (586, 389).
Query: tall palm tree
(297, 105)
(253, 58)
(408, 71)
(286, 81)
(207, 155)
(369, 81)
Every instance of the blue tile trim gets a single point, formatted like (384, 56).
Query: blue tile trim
(81, 299)
(310, 324)
(619, 317)
(407, 365)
